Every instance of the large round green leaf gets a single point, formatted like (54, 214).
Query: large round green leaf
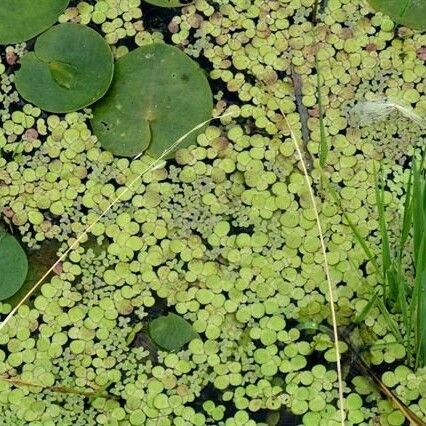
(71, 67)
(158, 94)
(411, 13)
(21, 20)
(13, 265)
(171, 332)
(168, 3)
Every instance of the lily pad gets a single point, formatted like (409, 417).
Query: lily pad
(71, 67)
(39, 262)
(411, 13)
(158, 94)
(21, 20)
(171, 332)
(13, 265)
(168, 3)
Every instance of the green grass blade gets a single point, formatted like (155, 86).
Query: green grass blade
(421, 318)
(406, 224)
(393, 326)
(366, 310)
(376, 300)
(402, 303)
(418, 306)
(419, 211)
(407, 216)
(357, 234)
(323, 148)
(389, 282)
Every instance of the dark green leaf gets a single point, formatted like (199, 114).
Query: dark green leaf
(71, 67)
(411, 13)
(366, 310)
(39, 262)
(407, 216)
(385, 245)
(171, 332)
(21, 20)
(421, 317)
(158, 95)
(13, 265)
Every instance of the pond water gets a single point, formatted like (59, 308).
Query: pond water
(212, 213)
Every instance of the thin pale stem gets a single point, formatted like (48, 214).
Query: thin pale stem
(327, 272)
(152, 166)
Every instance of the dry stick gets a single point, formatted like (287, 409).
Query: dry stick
(326, 268)
(403, 408)
(149, 168)
(367, 371)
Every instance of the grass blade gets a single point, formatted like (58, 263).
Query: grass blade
(357, 234)
(418, 305)
(393, 326)
(323, 148)
(388, 277)
(407, 216)
(419, 213)
(421, 317)
(366, 310)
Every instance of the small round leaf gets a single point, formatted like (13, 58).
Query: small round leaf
(411, 13)
(171, 332)
(71, 67)
(13, 265)
(21, 20)
(158, 95)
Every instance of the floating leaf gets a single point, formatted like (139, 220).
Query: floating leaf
(13, 265)
(411, 13)
(168, 3)
(158, 94)
(21, 20)
(171, 332)
(71, 67)
(39, 262)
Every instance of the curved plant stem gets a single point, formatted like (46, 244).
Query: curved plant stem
(60, 389)
(326, 268)
(152, 166)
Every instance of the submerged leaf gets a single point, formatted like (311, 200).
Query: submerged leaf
(411, 13)
(171, 332)
(71, 67)
(13, 265)
(158, 95)
(39, 262)
(21, 20)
